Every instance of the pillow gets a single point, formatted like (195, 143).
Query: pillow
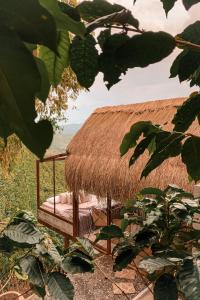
(51, 200)
(99, 217)
(65, 198)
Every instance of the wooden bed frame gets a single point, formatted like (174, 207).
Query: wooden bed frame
(70, 230)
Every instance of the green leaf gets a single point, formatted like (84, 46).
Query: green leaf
(39, 291)
(17, 100)
(125, 257)
(33, 268)
(122, 17)
(60, 287)
(30, 20)
(46, 247)
(190, 156)
(152, 191)
(87, 246)
(45, 84)
(92, 10)
(136, 130)
(84, 60)
(72, 12)
(168, 5)
(188, 280)
(144, 49)
(109, 232)
(63, 21)
(103, 36)
(165, 288)
(186, 113)
(191, 33)
(145, 237)
(171, 147)
(140, 148)
(108, 63)
(190, 3)
(152, 264)
(55, 64)
(6, 245)
(23, 233)
(77, 263)
(185, 65)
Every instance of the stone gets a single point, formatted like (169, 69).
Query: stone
(126, 287)
(126, 274)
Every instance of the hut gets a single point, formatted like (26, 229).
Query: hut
(93, 163)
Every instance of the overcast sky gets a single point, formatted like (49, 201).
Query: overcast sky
(140, 85)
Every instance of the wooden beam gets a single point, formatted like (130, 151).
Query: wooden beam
(109, 220)
(75, 214)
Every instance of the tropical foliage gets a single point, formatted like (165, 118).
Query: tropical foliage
(35, 257)
(168, 237)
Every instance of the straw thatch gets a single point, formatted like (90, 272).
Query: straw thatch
(94, 162)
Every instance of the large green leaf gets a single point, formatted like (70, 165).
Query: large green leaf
(186, 113)
(190, 3)
(84, 60)
(87, 246)
(136, 130)
(6, 245)
(63, 21)
(92, 10)
(189, 282)
(170, 148)
(77, 263)
(185, 65)
(122, 17)
(124, 257)
(165, 288)
(109, 232)
(17, 94)
(45, 83)
(30, 20)
(152, 264)
(70, 11)
(34, 269)
(190, 156)
(56, 64)
(144, 49)
(152, 191)
(191, 33)
(108, 63)
(23, 233)
(60, 287)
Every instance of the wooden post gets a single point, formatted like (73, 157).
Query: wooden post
(54, 186)
(75, 214)
(109, 220)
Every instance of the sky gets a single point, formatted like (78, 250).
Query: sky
(139, 85)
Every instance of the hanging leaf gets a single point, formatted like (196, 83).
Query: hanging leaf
(6, 245)
(171, 148)
(190, 3)
(152, 264)
(87, 246)
(63, 21)
(55, 64)
(165, 288)
(17, 100)
(69, 10)
(136, 130)
(39, 291)
(60, 287)
(108, 64)
(168, 5)
(77, 263)
(23, 233)
(30, 20)
(92, 10)
(45, 84)
(124, 257)
(122, 17)
(144, 49)
(103, 36)
(188, 280)
(109, 232)
(152, 191)
(186, 113)
(191, 33)
(84, 60)
(34, 269)
(190, 157)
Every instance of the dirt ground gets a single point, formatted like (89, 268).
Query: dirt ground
(96, 287)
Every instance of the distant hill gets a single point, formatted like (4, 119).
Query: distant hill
(61, 139)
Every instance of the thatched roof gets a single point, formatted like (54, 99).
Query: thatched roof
(94, 162)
